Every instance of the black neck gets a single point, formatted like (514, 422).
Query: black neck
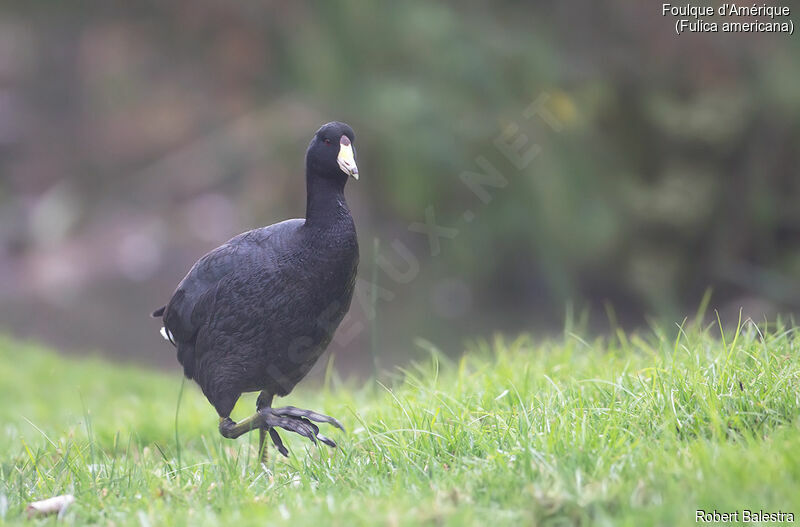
(325, 202)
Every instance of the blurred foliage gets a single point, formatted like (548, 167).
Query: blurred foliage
(133, 138)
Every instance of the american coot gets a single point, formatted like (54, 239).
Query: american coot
(256, 313)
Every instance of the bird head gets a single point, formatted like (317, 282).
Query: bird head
(331, 152)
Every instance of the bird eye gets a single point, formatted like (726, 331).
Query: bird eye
(327, 141)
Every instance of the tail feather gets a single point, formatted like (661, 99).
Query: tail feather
(159, 312)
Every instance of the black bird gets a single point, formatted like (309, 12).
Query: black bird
(256, 313)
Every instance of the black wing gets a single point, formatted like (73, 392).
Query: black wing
(180, 320)
(192, 302)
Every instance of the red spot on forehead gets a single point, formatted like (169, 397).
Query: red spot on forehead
(345, 140)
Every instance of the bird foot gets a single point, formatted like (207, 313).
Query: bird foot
(298, 421)
(289, 418)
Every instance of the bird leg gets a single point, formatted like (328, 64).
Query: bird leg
(264, 401)
(231, 429)
(289, 418)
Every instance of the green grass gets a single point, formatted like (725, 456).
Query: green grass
(636, 430)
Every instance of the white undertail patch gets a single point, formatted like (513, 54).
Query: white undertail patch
(167, 334)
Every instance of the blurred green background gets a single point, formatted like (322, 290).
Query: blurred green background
(133, 138)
